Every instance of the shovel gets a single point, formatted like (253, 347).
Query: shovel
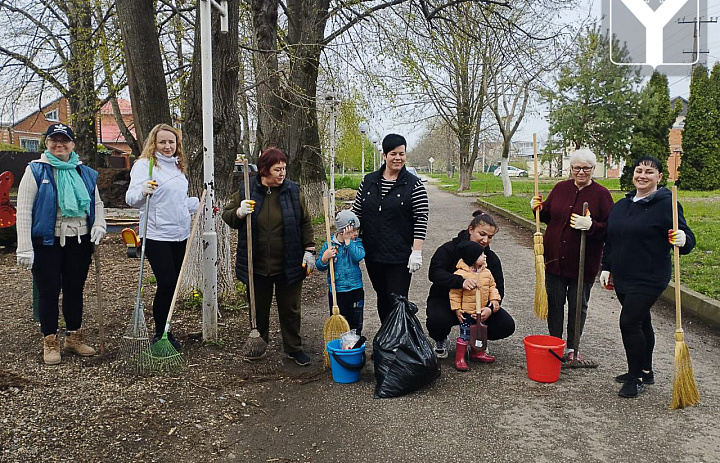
(578, 305)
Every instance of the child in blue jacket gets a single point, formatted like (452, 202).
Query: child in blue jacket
(346, 251)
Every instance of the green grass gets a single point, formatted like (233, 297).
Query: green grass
(699, 269)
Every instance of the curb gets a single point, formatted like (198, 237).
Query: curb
(702, 307)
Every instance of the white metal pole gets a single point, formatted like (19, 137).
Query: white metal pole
(209, 236)
(362, 151)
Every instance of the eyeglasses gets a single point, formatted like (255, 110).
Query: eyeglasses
(59, 141)
(577, 169)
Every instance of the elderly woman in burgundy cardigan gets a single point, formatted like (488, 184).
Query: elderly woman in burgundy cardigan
(562, 212)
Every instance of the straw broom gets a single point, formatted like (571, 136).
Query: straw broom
(685, 392)
(255, 346)
(336, 325)
(540, 303)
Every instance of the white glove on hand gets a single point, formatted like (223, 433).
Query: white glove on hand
(148, 187)
(25, 259)
(415, 261)
(677, 237)
(580, 222)
(308, 262)
(247, 206)
(605, 279)
(97, 234)
(536, 203)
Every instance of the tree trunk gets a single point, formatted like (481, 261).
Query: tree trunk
(466, 163)
(226, 126)
(129, 139)
(81, 80)
(507, 184)
(146, 76)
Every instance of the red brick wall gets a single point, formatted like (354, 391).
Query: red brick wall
(34, 125)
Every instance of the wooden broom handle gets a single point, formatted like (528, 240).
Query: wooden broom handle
(329, 243)
(185, 257)
(251, 273)
(537, 185)
(676, 261)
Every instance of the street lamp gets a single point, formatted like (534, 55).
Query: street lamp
(374, 141)
(331, 98)
(363, 128)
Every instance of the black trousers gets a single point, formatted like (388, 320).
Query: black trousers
(637, 332)
(351, 304)
(59, 268)
(559, 289)
(440, 320)
(289, 309)
(165, 259)
(386, 280)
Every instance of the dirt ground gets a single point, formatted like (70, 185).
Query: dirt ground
(226, 409)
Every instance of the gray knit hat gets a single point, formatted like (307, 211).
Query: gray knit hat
(344, 218)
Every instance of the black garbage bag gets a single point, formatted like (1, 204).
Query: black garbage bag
(404, 359)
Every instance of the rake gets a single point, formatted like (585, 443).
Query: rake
(136, 341)
(162, 356)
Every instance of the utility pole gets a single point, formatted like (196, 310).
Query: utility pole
(696, 37)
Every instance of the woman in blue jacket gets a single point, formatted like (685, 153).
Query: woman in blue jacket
(637, 257)
(347, 251)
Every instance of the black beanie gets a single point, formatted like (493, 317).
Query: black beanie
(470, 251)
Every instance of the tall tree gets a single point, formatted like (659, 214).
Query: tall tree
(652, 126)
(700, 166)
(594, 102)
(146, 75)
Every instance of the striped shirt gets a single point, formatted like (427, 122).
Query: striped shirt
(420, 205)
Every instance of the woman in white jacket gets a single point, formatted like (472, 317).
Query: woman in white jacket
(168, 226)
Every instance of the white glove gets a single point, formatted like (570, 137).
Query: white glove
(536, 203)
(97, 234)
(25, 259)
(605, 279)
(415, 261)
(247, 206)
(580, 222)
(148, 187)
(677, 237)
(308, 262)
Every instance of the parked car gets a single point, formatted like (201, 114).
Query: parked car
(512, 172)
(414, 171)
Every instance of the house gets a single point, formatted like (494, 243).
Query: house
(27, 133)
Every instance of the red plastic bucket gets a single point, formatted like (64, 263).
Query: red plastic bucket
(544, 357)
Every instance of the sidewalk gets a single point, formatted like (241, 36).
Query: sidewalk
(494, 412)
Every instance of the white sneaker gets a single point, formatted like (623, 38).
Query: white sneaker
(441, 349)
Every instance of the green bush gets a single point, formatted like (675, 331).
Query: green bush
(9, 147)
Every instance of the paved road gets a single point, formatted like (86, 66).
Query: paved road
(494, 412)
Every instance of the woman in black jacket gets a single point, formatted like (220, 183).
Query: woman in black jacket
(637, 257)
(440, 319)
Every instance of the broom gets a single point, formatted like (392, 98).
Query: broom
(255, 346)
(540, 303)
(136, 341)
(163, 357)
(336, 325)
(685, 392)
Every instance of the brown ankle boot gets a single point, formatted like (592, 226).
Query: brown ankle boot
(51, 349)
(75, 343)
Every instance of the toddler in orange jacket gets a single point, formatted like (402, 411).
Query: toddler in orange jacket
(472, 267)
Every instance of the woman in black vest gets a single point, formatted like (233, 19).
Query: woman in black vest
(392, 206)
(440, 319)
(282, 243)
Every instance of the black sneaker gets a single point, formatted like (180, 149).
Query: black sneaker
(300, 358)
(647, 378)
(631, 389)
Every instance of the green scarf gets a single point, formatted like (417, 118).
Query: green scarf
(71, 190)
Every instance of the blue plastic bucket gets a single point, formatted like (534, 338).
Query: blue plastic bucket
(346, 364)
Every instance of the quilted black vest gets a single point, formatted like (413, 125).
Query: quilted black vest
(387, 223)
(292, 236)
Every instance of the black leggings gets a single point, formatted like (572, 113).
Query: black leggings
(387, 279)
(61, 268)
(165, 259)
(637, 331)
(440, 320)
